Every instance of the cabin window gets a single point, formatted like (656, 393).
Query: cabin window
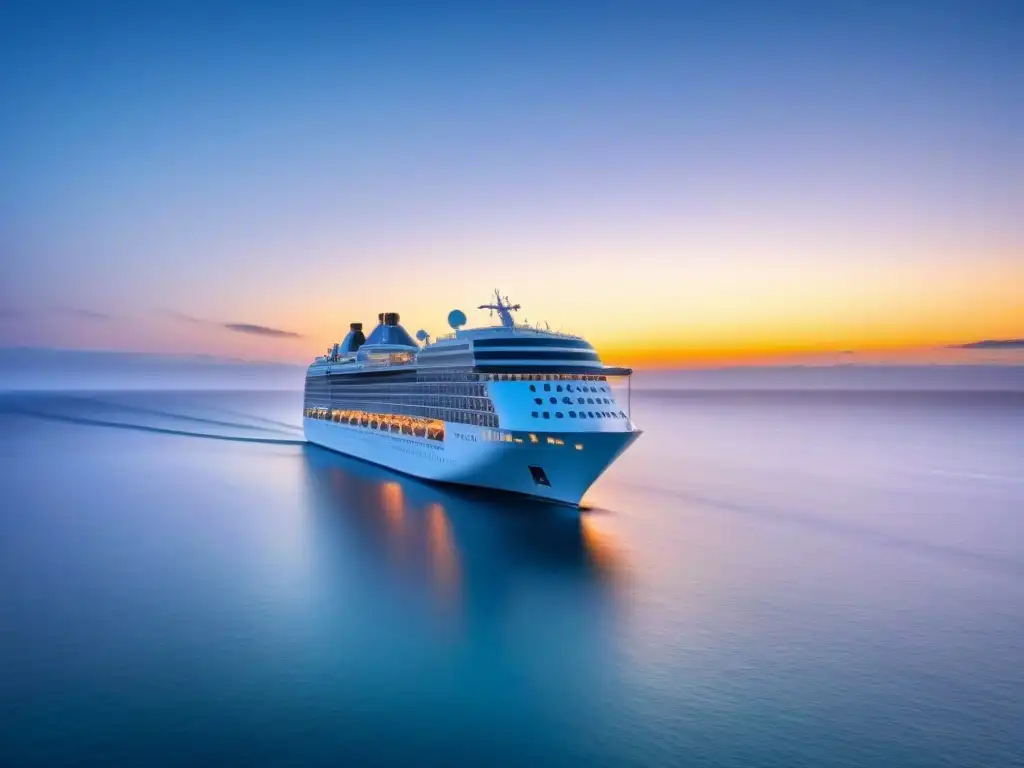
(572, 414)
(558, 414)
(534, 414)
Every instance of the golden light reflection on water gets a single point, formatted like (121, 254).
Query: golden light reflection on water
(600, 544)
(446, 546)
(444, 556)
(392, 503)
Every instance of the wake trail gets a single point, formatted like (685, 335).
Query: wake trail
(89, 422)
(253, 417)
(171, 415)
(846, 530)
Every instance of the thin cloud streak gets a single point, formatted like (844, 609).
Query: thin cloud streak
(991, 344)
(251, 329)
(261, 330)
(188, 318)
(87, 314)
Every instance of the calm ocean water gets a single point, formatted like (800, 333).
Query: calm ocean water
(764, 579)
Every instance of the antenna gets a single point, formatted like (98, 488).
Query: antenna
(503, 308)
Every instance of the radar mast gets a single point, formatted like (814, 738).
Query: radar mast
(503, 308)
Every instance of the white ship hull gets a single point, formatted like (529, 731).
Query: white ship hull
(466, 457)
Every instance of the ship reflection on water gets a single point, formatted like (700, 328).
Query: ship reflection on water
(464, 550)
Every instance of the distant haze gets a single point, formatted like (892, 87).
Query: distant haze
(31, 369)
(34, 369)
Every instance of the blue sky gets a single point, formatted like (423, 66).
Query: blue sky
(724, 177)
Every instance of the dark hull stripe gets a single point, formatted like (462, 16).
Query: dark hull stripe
(537, 354)
(532, 342)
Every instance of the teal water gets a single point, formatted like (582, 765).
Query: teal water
(764, 579)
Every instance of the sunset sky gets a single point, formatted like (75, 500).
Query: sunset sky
(697, 184)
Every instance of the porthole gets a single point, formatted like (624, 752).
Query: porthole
(553, 400)
(558, 388)
(580, 400)
(547, 387)
(568, 387)
(590, 400)
(558, 414)
(572, 414)
(533, 387)
(547, 415)
(538, 400)
(590, 414)
(534, 414)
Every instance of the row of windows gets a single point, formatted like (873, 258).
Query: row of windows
(456, 376)
(539, 377)
(431, 429)
(345, 384)
(356, 378)
(360, 400)
(581, 414)
(580, 400)
(494, 435)
(449, 398)
(453, 415)
(569, 388)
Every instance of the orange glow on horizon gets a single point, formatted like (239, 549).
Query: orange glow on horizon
(734, 311)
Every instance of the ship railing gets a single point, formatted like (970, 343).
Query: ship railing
(524, 329)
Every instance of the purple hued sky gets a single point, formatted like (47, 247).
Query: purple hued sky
(682, 183)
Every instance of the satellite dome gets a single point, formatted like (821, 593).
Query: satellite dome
(422, 335)
(456, 318)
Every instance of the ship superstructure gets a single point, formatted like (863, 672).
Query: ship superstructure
(510, 407)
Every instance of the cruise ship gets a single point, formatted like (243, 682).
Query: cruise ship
(509, 407)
